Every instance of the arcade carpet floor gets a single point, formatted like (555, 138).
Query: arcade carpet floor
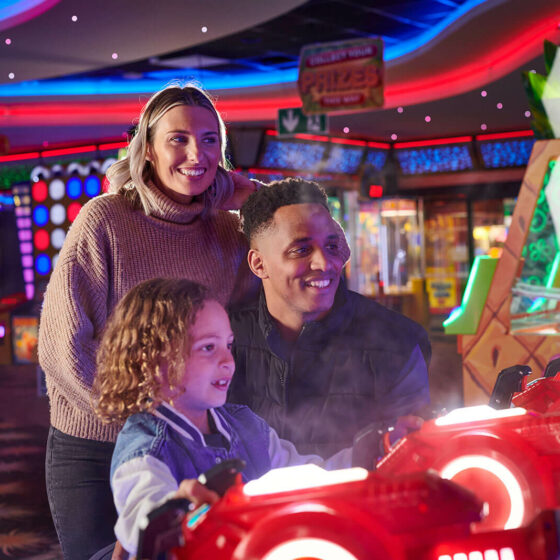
(26, 530)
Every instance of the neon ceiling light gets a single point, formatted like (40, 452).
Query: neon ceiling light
(209, 79)
(15, 12)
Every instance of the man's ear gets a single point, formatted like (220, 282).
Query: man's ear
(256, 264)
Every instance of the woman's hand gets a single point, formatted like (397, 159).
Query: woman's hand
(196, 493)
(242, 189)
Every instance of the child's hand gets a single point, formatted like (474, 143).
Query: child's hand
(403, 426)
(196, 493)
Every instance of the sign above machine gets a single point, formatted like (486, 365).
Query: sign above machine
(293, 121)
(341, 76)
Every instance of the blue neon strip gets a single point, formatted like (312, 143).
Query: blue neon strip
(210, 80)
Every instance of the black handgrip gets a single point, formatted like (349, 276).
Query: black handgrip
(509, 381)
(220, 477)
(552, 368)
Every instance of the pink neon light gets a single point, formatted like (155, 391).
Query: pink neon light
(19, 157)
(383, 145)
(500, 135)
(433, 142)
(349, 141)
(24, 10)
(113, 146)
(69, 151)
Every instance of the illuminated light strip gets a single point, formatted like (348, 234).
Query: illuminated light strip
(20, 157)
(433, 142)
(349, 141)
(299, 478)
(113, 146)
(319, 549)
(19, 11)
(69, 151)
(489, 554)
(271, 132)
(477, 413)
(383, 145)
(312, 137)
(501, 472)
(500, 135)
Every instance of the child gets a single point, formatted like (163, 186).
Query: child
(164, 367)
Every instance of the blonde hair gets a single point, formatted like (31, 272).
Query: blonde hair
(130, 175)
(144, 345)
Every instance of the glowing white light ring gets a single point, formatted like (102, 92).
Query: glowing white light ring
(313, 548)
(506, 477)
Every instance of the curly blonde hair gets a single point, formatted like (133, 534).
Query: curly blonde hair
(130, 175)
(144, 345)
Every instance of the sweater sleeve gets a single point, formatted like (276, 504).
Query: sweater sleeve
(74, 311)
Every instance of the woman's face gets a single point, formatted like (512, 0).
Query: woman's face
(185, 152)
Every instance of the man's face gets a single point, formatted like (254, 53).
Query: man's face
(298, 259)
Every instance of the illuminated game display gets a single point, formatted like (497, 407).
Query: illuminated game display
(57, 196)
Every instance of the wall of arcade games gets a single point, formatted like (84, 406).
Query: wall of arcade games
(416, 213)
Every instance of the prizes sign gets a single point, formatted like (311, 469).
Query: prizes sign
(341, 76)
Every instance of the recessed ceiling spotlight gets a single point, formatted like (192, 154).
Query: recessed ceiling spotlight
(394, 136)
(74, 18)
(483, 126)
(499, 105)
(8, 41)
(114, 56)
(527, 114)
(11, 75)
(400, 109)
(483, 93)
(204, 29)
(346, 130)
(533, 71)
(427, 118)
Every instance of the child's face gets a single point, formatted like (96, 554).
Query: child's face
(209, 366)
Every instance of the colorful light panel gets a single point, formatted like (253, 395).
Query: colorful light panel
(435, 160)
(64, 196)
(22, 202)
(506, 153)
(376, 158)
(292, 155)
(344, 159)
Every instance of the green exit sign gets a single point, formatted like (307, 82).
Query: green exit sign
(293, 121)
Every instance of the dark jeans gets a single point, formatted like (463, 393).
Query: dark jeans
(80, 498)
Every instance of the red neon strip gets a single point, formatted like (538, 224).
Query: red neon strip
(349, 141)
(499, 135)
(383, 145)
(19, 157)
(433, 142)
(113, 146)
(271, 132)
(68, 151)
(312, 137)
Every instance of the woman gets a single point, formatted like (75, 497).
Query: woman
(162, 217)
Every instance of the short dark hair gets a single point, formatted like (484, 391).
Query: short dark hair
(258, 211)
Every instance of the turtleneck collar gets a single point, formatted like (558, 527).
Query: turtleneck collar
(164, 208)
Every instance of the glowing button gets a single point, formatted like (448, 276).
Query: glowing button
(58, 214)
(40, 215)
(39, 191)
(58, 236)
(74, 187)
(57, 189)
(74, 210)
(41, 239)
(92, 186)
(42, 264)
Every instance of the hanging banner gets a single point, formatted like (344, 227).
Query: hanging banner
(341, 76)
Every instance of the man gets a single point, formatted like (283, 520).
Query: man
(317, 361)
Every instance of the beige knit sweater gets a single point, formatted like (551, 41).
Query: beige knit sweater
(110, 248)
